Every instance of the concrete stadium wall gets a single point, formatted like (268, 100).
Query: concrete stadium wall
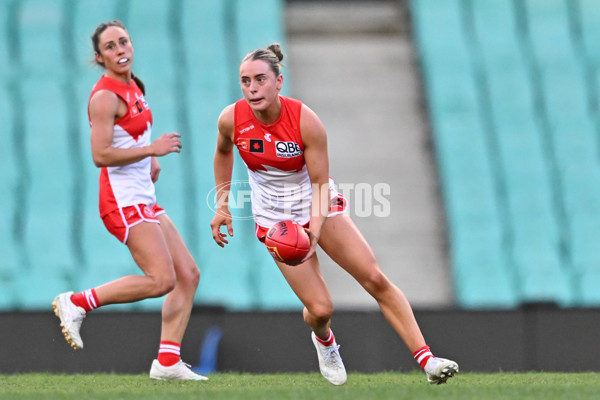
(535, 338)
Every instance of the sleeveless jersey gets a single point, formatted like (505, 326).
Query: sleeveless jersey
(276, 169)
(130, 184)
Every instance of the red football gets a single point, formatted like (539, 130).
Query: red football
(288, 242)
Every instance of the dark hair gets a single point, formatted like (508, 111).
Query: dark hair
(272, 55)
(96, 44)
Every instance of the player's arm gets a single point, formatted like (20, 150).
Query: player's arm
(105, 109)
(155, 169)
(223, 169)
(314, 139)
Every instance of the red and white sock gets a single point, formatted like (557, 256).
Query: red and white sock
(423, 355)
(327, 342)
(169, 353)
(88, 300)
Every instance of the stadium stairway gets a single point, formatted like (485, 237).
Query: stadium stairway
(531, 128)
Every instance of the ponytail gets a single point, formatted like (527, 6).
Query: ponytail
(139, 82)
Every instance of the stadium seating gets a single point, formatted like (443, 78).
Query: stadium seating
(512, 93)
(12, 175)
(526, 166)
(40, 24)
(586, 13)
(48, 212)
(482, 277)
(5, 35)
(187, 53)
(9, 261)
(530, 64)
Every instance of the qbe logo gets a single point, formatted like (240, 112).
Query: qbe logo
(288, 149)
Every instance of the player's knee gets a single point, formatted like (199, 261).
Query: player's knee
(163, 284)
(166, 286)
(190, 277)
(195, 276)
(319, 312)
(376, 283)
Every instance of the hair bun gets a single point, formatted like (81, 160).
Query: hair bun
(276, 49)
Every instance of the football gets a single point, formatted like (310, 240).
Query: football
(288, 242)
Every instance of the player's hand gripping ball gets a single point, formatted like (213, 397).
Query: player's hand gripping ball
(288, 242)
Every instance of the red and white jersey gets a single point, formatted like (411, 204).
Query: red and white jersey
(130, 184)
(274, 155)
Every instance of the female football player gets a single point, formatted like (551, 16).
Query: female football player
(284, 145)
(121, 124)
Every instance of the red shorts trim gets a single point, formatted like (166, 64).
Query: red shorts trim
(119, 221)
(337, 205)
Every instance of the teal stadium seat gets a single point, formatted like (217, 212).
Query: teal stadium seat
(48, 206)
(8, 295)
(527, 169)
(11, 171)
(573, 133)
(564, 85)
(481, 272)
(40, 23)
(586, 259)
(48, 216)
(9, 177)
(268, 15)
(580, 174)
(542, 186)
(46, 136)
(5, 40)
(542, 278)
(589, 13)
(479, 268)
(584, 14)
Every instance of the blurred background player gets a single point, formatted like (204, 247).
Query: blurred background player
(284, 145)
(121, 123)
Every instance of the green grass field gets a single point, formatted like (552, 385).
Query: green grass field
(231, 386)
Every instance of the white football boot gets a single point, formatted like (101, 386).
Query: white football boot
(71, 317)
(180, 370)
(439, 370)
(330, 363)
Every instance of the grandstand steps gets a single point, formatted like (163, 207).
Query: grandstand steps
(353, 63)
